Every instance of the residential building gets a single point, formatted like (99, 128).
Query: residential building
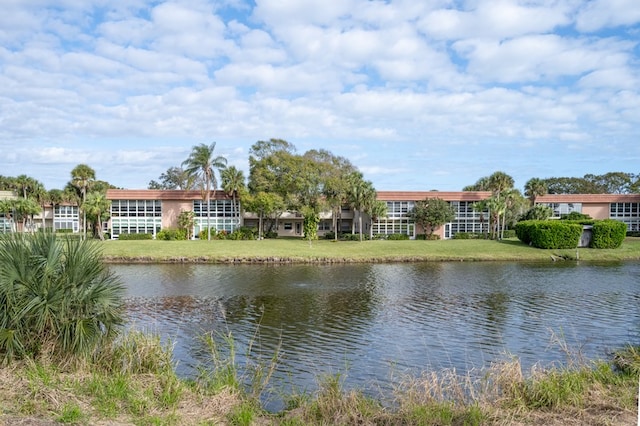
(622, 207)
(149, 211)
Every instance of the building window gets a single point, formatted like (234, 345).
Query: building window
(135, 217)
(324, 225)
(629, 213)
(562, 209)
(288, 226)
(66, 217)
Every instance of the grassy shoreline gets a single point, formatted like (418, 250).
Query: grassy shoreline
(133, 382)
(327, 251)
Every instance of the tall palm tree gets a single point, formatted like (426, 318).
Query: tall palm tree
(82, 176)
(97, 205)
(378, 210)
(534, 188)
(480, 207)
(233, 183)
(361, 193)
(202, 164)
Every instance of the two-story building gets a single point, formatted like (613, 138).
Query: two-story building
(149, 211)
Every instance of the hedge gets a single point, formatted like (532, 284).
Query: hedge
(172, 234)
(608, 234)
(135, 237)
(549, 234)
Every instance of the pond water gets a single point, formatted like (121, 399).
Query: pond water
(372, 323)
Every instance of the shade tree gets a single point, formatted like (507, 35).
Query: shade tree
(431, 213)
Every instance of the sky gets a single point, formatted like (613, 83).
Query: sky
(417, 94)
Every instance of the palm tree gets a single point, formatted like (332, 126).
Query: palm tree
(82, 176)
(480, 207)
(233, 184)
(24, 184)
(96, 205)
(378, 210)
(41, 195)
(361, 193)
(534, 188)
(202, 164)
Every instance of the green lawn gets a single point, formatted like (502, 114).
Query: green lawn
(294, 250)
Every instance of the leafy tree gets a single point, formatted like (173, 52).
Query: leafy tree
(263, 204)
(186, 221)
(174, 178)
(334, 172)
(534, 188)
(202, 165)
(82, 177)
(56, 295)
(431, 213)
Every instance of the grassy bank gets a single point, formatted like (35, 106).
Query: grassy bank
(133, 383)
(294, 250)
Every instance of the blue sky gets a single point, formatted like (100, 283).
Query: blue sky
(419, 95)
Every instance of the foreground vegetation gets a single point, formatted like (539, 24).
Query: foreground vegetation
(298, 250)
(62, 360)
(133, 382)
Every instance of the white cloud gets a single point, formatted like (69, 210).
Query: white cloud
(111, 84)
(597, 14)
(499, 19)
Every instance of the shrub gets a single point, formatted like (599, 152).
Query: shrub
(608, 234)
(247, 233)
(509, 233)
(462, 236)
(397, 237)
(135, 236)
(549, 234)
(575, 216)
(204, 235)
(271, 234)
(55, 295)
(172, 234)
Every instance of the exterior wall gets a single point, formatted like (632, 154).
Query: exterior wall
(622, 207)
(171, 209)
(596, 210)
(399, 203)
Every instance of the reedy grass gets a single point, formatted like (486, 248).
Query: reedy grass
(299, 251)
(129, 388)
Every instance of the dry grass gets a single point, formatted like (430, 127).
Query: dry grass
(45, 393)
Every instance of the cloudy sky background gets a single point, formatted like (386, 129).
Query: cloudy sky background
(419, 95)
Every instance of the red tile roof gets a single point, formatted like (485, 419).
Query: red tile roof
(421, 195)
(157, 194)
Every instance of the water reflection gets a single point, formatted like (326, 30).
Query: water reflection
(374, 321)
